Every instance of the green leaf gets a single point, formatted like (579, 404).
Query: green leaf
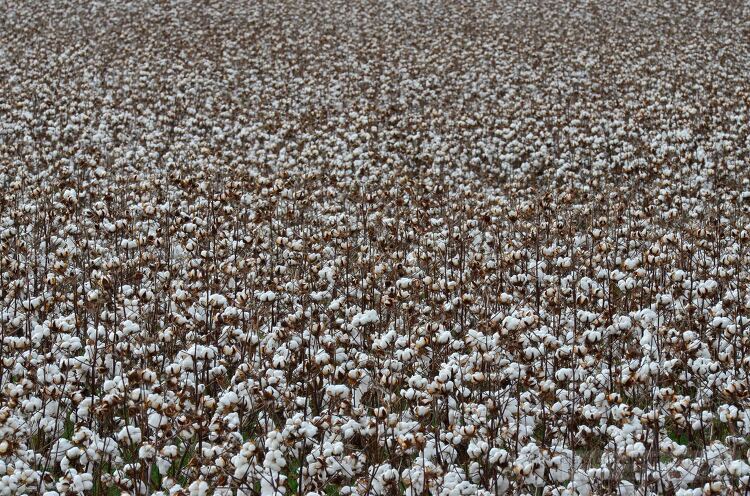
(155, 477)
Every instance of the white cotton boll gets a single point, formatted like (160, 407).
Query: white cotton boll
(136, 394)
(679, 449)
(84, 407)
(217, 300)
(689, 336)
(477, 448)
(73, 453)
(267, 296)
(128, 244)
(146, 452)
(646, 339)
(129, 434)
(326, 274)
(335, 305)
(389, 475)
(738, 468)
(626, 488)
(511, 323)
(337, 390)
(198, 488)
(715, 487)
(109, 385)
(593, 336)
(241, 467)
(129, 327)
(564, 374)
(230, 312)
(636, 450)
(308, 430)
(156, 420)
(581, 484)
(498, 456)
(364, 318)
(229, 398)
(83, 482)
(689, 492)
(70, 196)
(318, 296)
(169, 451)
(422, 410)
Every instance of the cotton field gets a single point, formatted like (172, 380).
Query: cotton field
(361, 247)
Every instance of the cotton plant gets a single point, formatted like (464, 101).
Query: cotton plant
(460, 249)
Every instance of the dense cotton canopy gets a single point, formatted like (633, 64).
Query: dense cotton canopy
(373, 248)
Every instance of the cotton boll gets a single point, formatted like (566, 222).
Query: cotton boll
(129, 434)
(83, 482)
(146, 452)
(267, 296)
(511, 323)
(636, 450)
(198, 488)
(217, 300)
(364, 318)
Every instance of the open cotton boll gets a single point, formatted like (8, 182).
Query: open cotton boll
(266, 296)
(198, 488)
(146, 452)
(217, 300)
(364, 318)
(129, 434)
